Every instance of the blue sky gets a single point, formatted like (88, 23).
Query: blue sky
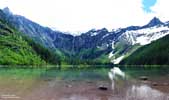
(77, 16)
(147, 4)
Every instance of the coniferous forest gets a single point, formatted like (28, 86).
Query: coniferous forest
(156, 53)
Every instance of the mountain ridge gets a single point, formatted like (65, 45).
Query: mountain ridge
(101, 42)
(18, 49)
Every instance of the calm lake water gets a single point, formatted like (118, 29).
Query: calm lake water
(84, 84)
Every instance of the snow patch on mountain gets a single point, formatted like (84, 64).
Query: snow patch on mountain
(111, 55)
(145, 36)
(117, 60)
(116, 30)
(142, 35)
(94, 34)
(105, 36)
(113, 45)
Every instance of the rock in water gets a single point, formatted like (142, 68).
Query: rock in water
(144, 78)
(154, 84)
(104, 88)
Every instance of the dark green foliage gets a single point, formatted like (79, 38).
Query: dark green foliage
(156, 53)
(46, 54)
(93, 56)
(93, 53)
(17, 49)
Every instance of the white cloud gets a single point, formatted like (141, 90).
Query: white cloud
(81, 15)
(161, 9)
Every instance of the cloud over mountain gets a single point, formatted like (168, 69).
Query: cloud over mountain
(82, 15)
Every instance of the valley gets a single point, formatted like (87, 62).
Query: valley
(95, 47)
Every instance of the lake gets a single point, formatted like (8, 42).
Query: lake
(134, 83)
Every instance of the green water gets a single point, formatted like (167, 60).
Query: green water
(80, 84)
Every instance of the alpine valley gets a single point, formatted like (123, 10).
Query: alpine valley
(23, 37)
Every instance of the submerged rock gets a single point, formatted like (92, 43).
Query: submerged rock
(69, 86)
(155, 84)
(158, 84)
(47, 79)
(89, 82)
(165, 84)
(146, 82)
(104, 88)
(144, 78)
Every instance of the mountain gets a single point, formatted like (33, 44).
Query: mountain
(44, 35)
(67, 44)
(18, 49)
(95, 45)
(155, 21)
(156, 53)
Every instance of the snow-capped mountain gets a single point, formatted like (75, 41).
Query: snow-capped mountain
(146, 34)
(93, 44)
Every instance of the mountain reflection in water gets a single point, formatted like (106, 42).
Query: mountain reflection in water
(135, 91)
(144, 92)
(83, 84)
